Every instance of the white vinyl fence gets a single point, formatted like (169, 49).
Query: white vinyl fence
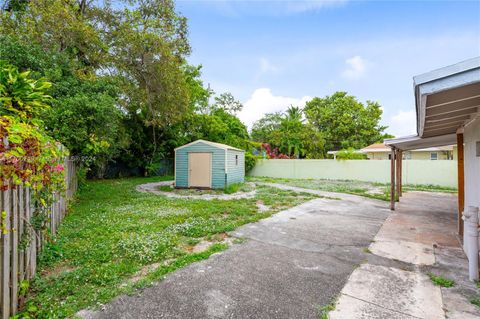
(426, 172)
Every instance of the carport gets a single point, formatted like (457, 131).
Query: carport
(448, 112)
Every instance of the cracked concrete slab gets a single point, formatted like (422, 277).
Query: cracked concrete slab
(405, 293)
(350, 307)
(406, 251)
(420, 237)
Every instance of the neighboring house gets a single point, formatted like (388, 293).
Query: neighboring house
(204, 164)
(383, 152)
(448, 112)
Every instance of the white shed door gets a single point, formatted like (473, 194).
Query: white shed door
(200, 170)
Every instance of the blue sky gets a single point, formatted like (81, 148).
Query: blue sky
(271, 54)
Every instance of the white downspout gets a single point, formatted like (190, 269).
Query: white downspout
(471, 240)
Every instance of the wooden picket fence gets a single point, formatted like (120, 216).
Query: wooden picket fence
(18, 260)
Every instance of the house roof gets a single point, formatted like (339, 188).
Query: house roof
(446, 101)
(218, 145)
(383, 148)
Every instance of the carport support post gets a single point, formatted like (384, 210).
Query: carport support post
(392, 179)
(461, 182)
(400, 174)
(398, 160)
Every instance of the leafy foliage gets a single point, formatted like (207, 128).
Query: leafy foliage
(27, 154)
(345, 122)
(350, 154)
(21, 96)
(288, 135)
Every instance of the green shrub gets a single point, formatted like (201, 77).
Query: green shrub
(250, 161)
(350, 154)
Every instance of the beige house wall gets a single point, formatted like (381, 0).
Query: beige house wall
(441, 155)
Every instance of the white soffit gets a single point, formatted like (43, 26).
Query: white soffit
(447, 98)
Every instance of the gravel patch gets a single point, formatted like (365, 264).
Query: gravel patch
(154, 189)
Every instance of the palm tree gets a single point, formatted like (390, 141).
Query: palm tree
(291, 129)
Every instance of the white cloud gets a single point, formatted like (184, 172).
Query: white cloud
(403, 123)
(266, 67)
(356, 68)
(263, 101)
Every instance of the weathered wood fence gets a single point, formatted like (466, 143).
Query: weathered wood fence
(20, 244)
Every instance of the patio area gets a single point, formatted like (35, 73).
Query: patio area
(421, 233)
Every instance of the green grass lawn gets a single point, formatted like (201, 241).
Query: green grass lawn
(112, 232)
(366, 189)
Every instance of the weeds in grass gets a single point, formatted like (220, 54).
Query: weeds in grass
(441, 281)
(166, 188)
(325, 310)
(366, 189)
(475, 301)
(232, 188)
(113, 231)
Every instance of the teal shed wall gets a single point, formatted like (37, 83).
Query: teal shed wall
(222, 174)
(218, 164)
(235, 172)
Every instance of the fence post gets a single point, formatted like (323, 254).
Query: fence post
(5, 276)
(14, 255)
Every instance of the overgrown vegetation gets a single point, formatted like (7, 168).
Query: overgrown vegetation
(114, 231)
(332, 123)
(124, 94)
(28, 155)
(475, 301)
(238, 187)
(325, 310)
(366, 189)
(441, 281)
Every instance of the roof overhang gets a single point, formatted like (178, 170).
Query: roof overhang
(415, 142)
(446, 100)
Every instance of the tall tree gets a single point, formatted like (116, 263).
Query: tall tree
(264, 128)
(227, 102)
(344, 121)
(139, 44)
(148, 45)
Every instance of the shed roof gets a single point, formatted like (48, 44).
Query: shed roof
(218, 145)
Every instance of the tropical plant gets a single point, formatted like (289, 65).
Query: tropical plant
(21, 96)
(28, 155)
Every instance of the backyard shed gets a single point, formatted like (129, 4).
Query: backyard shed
(204, 164)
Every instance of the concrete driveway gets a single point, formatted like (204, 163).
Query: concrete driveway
(291, 265)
